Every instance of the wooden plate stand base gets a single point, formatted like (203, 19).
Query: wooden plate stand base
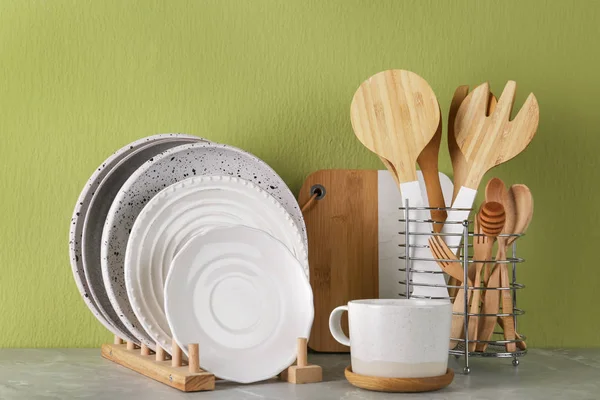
(186, 375)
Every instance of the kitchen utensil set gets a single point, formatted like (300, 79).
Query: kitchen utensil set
(393, 114)
(228, 228)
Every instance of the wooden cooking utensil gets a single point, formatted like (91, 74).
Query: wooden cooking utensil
(390, 168)
(517, 198)
(489, 222)
(487, 141)
(523, 207)
(495, 190)
(441, 251)
(524, 214)
(395, 114)
(459, 165)
(428, 162)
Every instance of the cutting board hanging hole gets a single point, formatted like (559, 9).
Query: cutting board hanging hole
(317, 192)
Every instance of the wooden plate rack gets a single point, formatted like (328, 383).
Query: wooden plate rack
(186, 375)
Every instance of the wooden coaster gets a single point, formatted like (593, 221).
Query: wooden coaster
(399, 385)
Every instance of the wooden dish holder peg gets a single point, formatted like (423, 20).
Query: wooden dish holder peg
(172, 371)
(187, 376)
(302, 372)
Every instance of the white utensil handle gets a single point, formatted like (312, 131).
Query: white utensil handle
(464, 199)
(335, 325)
(412, 192)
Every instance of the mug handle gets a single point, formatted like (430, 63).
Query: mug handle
(335, 325)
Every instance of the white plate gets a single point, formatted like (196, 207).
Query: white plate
(96, 216)
(170, 167)
(244, 298)
(186, 209)
(77, 220)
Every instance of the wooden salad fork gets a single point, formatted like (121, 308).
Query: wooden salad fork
(442, 252)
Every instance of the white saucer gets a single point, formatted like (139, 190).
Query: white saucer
(244, 298)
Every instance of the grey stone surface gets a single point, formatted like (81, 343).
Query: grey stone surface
(83, 374)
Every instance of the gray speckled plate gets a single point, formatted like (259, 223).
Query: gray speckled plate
(77, 220)
(164, 170)
(95, 217)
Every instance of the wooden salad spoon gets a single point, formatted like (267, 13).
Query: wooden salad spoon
(428, 162)
(395, 114)
(488, 225)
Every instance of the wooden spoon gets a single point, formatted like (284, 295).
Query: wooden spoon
(487, 141)
(490, 222)
(395, 114)
(524, 208)
(428, 161)
(524, 214)
(495, 190)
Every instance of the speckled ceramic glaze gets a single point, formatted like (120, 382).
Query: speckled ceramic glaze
(77, 220)
(182, 211)
(164, 170)
(397, 338)
(244, 298)
(95, 217)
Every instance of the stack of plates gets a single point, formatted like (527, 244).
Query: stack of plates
(175, 237)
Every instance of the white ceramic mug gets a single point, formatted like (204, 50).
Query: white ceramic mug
(396, 338)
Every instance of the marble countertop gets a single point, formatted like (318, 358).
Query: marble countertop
(82, 373)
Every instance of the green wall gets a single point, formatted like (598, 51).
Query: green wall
(79, 79)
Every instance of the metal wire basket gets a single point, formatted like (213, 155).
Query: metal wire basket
(415, 234)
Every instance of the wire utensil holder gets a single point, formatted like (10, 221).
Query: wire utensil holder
(495, 348)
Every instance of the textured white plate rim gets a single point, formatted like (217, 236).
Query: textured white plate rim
(96, 288)
(76, 224)
(302, 281)
(148, 311)
(122, 306)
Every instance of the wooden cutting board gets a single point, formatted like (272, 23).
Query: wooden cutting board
(342, 243)
(353, 242)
